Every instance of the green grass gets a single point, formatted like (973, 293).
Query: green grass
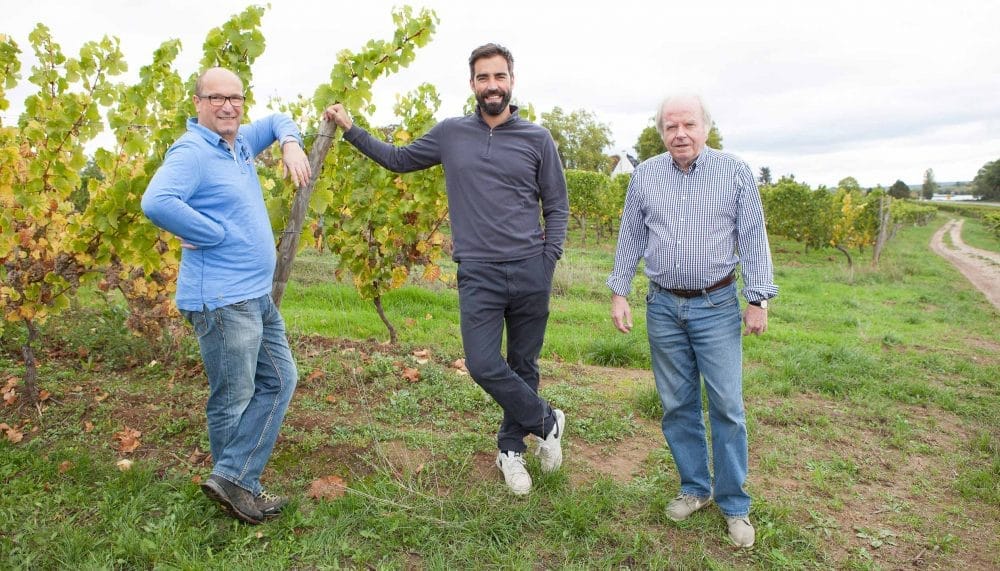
(871, 406)
(975, 234)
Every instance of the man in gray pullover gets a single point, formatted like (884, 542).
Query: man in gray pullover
(501, 172)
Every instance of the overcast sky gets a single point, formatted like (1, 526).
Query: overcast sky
(875, 90)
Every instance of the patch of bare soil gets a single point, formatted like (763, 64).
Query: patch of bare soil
(980, 267)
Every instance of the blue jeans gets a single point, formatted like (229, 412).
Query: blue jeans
(492, 295)
(251, 377)
(691, 338)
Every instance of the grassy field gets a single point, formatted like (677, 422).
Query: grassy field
(871, 402)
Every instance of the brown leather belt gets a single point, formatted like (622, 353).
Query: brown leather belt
(696, 292)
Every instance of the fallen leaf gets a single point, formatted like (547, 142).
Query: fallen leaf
(10, 397)
(43, 395)
(4, 426)
(128, 439)
(327, 488)
(14, 435)
(411, 374)
(428, 316)
(196, 479)
(101, 397)
(88, 426)
(197, 456)
(260, 535)
(124, 464)
(64, 466)
(331, 399)
(316, 374)
(459, 364)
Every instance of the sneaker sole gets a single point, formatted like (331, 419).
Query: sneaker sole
(219, 496)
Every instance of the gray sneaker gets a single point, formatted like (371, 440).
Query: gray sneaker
(514, 472)
(741, 531)
(550, 449)
(270, 505)
(684, 505)
(233, 499)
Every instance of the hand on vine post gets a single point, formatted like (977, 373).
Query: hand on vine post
(294, 162)
(340, 116)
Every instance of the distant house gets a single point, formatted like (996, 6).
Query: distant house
(625, 165)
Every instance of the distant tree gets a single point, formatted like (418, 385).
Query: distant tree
(714, 138)
(81, 196)
(650, 143)
(930, 186)
(849, 184)
(765, 176)
(899, 189)
(581, 139)
(986, 185)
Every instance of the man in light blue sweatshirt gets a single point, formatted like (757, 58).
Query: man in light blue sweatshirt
(208, 195)
(501, 173)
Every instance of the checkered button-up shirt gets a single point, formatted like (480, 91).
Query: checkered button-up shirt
(692, 228)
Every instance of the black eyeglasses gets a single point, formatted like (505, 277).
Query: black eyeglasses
(220, 100)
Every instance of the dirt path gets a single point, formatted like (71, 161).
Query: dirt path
(981, 267)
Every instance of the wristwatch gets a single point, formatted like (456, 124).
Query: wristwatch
(761, 304)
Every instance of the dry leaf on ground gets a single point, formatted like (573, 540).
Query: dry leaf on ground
(128, 439)
(13, 435)
(327, 488)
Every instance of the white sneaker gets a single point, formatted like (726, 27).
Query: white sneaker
(550, 450)
(741, 531)
(684, 505)
(514, 472)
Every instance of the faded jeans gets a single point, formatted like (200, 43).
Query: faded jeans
(515, 295)
(251, 377)
(691, 339)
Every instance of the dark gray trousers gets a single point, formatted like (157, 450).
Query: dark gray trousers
(514, 294)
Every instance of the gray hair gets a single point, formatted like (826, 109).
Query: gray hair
(706, 116)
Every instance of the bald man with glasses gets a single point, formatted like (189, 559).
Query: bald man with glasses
(207, 193)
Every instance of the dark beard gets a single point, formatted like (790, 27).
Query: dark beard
(493, 109)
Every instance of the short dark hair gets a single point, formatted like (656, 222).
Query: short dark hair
(490, 50)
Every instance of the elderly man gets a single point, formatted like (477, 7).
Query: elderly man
(694, 213)
(207, 193)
